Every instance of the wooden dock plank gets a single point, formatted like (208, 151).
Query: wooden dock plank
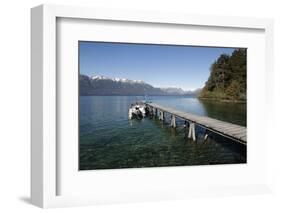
(230, 130)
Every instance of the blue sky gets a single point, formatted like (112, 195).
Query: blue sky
(187, 67)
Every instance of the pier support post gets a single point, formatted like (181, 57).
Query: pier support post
(161, 115)
(173, 121)
(206, 135)
(191, 132)
(151, 112)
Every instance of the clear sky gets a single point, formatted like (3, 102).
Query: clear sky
(187, 67)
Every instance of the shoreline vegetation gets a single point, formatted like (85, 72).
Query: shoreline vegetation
(228, 80)
(223, 100)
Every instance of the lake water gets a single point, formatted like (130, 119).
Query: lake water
(108, 140)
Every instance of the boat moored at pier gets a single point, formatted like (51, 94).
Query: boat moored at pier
(137, 111)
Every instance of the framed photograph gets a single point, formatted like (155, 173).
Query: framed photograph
(129, 106)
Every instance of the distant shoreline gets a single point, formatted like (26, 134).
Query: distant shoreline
(223, 100)
(190, 96)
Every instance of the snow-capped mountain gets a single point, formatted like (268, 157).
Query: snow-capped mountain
(101, 85)
(99, 77)
(174, 91)
(124, 80)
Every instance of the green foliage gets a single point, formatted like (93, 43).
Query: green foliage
(233, 90)
(228, 78)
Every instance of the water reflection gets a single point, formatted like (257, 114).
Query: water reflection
(226, 111)
(109, 140)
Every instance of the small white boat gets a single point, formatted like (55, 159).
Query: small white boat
(137, 111)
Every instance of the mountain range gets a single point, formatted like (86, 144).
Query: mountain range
(101, 85)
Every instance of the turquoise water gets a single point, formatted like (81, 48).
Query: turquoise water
(108, 140)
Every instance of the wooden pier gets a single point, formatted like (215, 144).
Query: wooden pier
(229, 130)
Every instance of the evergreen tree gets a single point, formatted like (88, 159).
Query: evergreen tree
(228, 79)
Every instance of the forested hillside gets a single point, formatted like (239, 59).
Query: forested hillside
(228, 78)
